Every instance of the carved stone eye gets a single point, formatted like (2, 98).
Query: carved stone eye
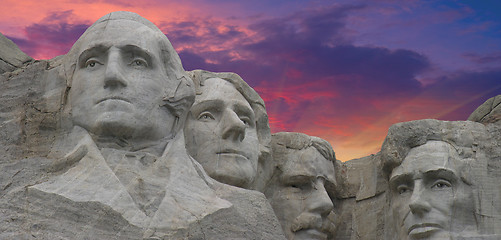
(91, 63)
(139, 63)
(206, 116)
(403, 189)
(245, 121)
(441, 184)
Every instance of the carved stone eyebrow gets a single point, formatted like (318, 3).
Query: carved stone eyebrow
(296, 177)
(245, 110)
(91, 51)
(441, 173)
(213, 104)
(296, 173)
(430, 174)
(400, 178)
(135, 50)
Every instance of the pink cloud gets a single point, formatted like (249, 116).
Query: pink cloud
(304, 63)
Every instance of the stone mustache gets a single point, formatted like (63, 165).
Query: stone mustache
(115, 140)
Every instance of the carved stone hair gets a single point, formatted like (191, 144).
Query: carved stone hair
(299, 141)
(467, 138)
(178, 96)
(284, 143)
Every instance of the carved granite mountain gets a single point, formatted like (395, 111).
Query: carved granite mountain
(92, 147)
(488, 112)
(11, 57)
(69, 172)
(375, 193)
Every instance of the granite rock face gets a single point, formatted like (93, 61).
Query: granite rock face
(93, 147)
(300, 190)
(360, 199)
(443, 180)
(227, 130)
(488, 112)
(11, 57)
(114, 140)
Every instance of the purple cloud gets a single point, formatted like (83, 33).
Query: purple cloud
(311, 43)
(309, 50)
(468, 89)
(51, 37)
(494, 57)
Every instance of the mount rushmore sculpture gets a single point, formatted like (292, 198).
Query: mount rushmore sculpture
(115, 140)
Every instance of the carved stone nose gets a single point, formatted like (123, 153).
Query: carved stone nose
(233, 127)
(320, 201)
(114, 77)
(418, 203)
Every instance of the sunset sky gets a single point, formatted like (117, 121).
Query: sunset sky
(341, 70)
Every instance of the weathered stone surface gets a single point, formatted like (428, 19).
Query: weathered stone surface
(11, 57)
(92, 147)
(443, 180)
(360, 199)
(363, 196)
(227, 130)
(301, 182)
(360, 178)
(488, 112)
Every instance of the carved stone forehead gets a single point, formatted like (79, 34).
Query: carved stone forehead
(122, 33)
(217, 88)
(123, 21)
(120, 26)
(125, 16)
(307, 162)
(431, 156)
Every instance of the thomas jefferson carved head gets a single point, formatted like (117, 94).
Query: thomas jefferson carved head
(126, 80)
(227, 129)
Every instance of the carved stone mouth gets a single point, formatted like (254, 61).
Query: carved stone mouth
(314, 233)
(232, 152)
(114, 98)
(423, 228)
